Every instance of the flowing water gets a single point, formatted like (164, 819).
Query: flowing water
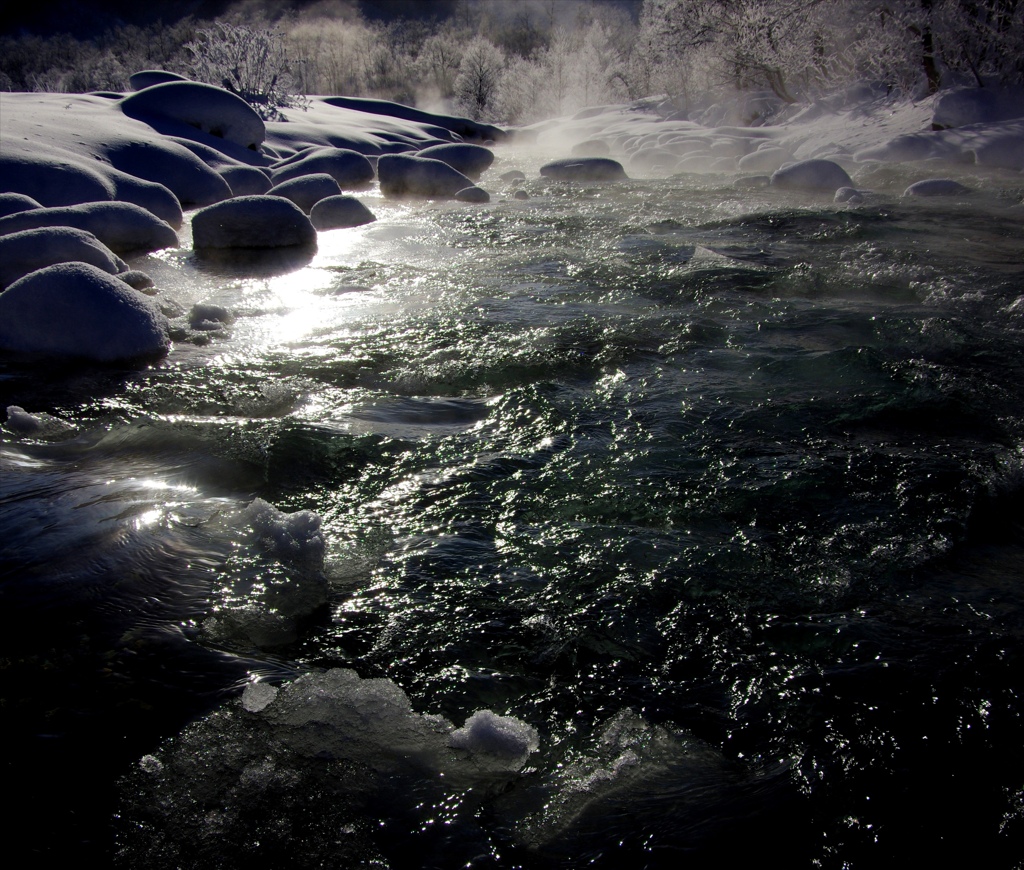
(720, 493)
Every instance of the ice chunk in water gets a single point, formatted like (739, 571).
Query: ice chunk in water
(294, 538)
(504, 737)
(258, 696)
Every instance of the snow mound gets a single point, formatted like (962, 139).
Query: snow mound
(936, 187)
(1001, 152)
(470, 131)
(173, 166)
(251, 222)
(12, 203)
(965, 106)
(338, 212)
(584, 169)
(403, 175)
(814, 175)
(246, 180)
(148, 77)
(215, 111)
(29, 250)
(764, 160)
(77, 310)
(120, 226)
(909, 147)
(471, 160)
(350, 169)
(307, 190)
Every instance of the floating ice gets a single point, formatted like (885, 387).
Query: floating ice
(504, 737)
(40, 425)
(258, 696)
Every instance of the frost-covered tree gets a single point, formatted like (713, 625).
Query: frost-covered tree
(480, 73)
(250, 62)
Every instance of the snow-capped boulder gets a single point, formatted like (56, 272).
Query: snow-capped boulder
(215, 111)
(764, 160)
(307, 190)
(471, 160)
(173, 166)
(849, 195)
(404, 175)
(120, 226)
(963, 106)
(349, 168)
(338, 212)
(474, 195)
(584, 169)
(252, 222)
(30, 250)
(58, 181)
(246, 180)
(814, 175)
(77, 310)
(910, 147)
(513, 175)
(936, 187)
(148, 77)
(12, 203)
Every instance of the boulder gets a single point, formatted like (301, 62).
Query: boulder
(246, 180)
(584, 169)
(30, 250)
(513, 175)
(471, 160)
(12, 203)
(473, 194)
(338, 212)
(763, 160)
(813, 175)
(404, 175)
(252, 222)
(936, 187)
(307, 190)
(349, 168)
(121, 226)
(77, 310)
(213, 110)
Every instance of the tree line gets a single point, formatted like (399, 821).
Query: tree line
(543, 58)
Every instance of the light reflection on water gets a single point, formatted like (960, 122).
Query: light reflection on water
(729, 485)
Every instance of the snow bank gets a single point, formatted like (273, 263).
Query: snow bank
(120, 226)
(817, 175)
(12, 203)
(29, 250)
(251, 222)
(77, 310)
(169, 164)
(149, 77)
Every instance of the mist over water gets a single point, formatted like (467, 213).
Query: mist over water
(718, 492)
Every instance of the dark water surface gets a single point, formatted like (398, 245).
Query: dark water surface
(721, 495)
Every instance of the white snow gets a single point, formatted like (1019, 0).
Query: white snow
(252, 222)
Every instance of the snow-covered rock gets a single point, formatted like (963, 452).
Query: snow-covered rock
(307, 190)
(120, 226)
(12, 203)
(764, 160)
(404, 175)
(584, 169)
(963, 106)
(471, 160)
(936, 187)
(148, 77)
(350, 169)
(849, 195)
(815, 175)
(338, 212)
(215, 111)
(1001, 152)
(173, 166)
(252, 222)
(475, 195)
(246, 180)
(77, 310)
(29, 250)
